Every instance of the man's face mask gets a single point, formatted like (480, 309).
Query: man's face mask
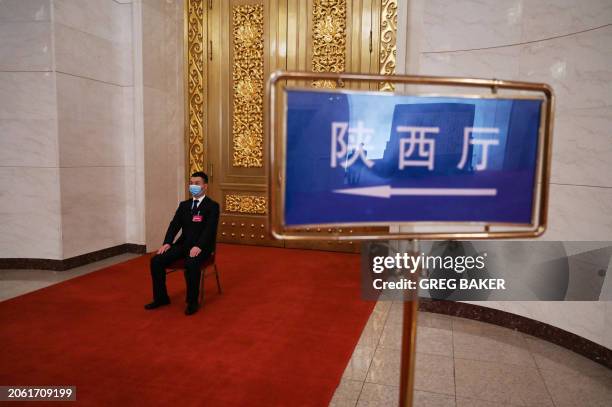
(195, 189)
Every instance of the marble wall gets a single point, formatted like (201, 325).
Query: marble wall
(88, 89)
(568, 47)
(94, 75)
(30, 219)
(163, 115)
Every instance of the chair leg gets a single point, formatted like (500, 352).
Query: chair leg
(217, 276)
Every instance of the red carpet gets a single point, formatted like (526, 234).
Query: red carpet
(281, 333)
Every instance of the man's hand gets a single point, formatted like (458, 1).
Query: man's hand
(163, 249)
(195, 250)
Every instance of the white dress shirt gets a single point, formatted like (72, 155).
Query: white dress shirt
(198, 200)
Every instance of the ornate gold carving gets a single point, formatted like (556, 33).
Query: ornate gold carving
(328, 38)
(245, 204)
(195, 83)
(388, 41)
(248, 77)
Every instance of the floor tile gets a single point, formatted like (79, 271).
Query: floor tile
(391, 337)
(479, 341)
(358, 365)
(500, 383)
(347, 393)
(378, 395)
(382, 307)
(466, 402)
(342, 403)
(426, 399)
(549, 356)
(385, 367)
(434, 341)
(434, 373)
(429, 340)
(577, 390)
(433, 320)
(372, 331)
(396, 313)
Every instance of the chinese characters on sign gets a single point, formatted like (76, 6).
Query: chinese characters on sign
(360, 137)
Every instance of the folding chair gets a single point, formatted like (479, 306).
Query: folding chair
(209, 264)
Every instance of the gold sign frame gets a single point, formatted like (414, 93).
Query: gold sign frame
(475, 230)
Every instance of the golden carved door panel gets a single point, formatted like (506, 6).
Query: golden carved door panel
(243, 47)
(232, 46)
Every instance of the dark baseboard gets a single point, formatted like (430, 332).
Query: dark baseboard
(542, 330)
(66, 264)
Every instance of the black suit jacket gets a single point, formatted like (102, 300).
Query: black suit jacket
(202, 234)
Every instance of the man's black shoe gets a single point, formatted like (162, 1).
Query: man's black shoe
(156, 304)
(191, 309)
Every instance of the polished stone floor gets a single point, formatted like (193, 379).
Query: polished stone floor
(18, 282)
(461, 362)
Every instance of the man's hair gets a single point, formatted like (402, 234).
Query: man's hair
(202, 175)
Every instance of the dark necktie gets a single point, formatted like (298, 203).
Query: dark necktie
(195, 206)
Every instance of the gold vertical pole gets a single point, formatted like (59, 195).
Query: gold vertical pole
(409, 337)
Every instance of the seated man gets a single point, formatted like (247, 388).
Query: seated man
(198, 218)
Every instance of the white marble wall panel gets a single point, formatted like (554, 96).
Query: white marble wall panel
(499, 63)
(28, 143)
(84, 98)
(579, 213)
(134, 213)
(101, 18)
(25, 46)
(582, 148)
(90, 122)
(163, 115)
(30, 212)
(552, 18)
(160, 197)
(27, 95)
(134, 190)
(134, 151)
(29, 10)
(153, 59)
(474, 24)
(470, 24)
(28, 119)
(78, 128)
(127, 112)
(29, 178)
(93, 209)
(86, 55)
(607, 328)
(93, 51)
(576, 66)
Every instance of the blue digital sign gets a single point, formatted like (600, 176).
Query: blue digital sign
(365, 157)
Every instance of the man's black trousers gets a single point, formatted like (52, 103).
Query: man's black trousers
(193, 265)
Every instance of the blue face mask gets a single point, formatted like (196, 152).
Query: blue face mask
(195, 189)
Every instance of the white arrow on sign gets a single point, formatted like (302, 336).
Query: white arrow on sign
(385, 191)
